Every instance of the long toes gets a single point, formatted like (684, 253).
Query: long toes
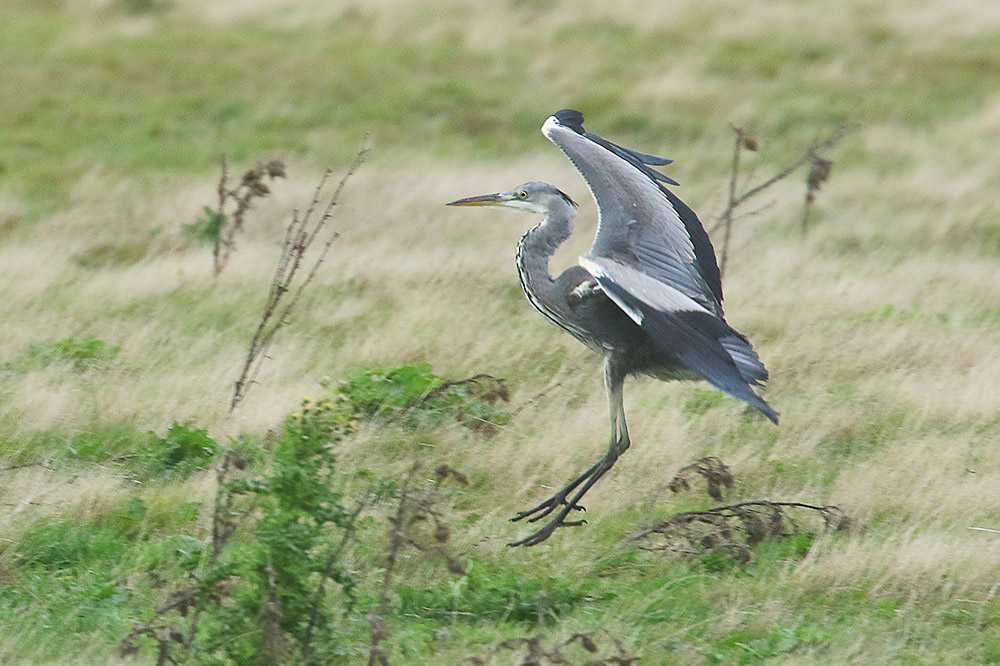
(542, 511)
(547, 507)
(576, 507)
(544, 533)
(561, 501)
(536, 538)
(527, 541)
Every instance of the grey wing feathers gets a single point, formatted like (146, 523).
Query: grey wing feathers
(640, 221)
(684, 330)
(573, 119)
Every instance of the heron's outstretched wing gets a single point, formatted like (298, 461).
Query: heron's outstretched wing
(573, 119)
(642, 224)
(684, 329)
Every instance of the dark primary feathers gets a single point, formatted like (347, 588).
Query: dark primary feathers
(574, 120)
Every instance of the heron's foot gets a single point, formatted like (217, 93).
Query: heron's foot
(550, 527)
(568, 499)
(560, 498)
(547, 507)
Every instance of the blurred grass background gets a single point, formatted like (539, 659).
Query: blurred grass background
(880, 325)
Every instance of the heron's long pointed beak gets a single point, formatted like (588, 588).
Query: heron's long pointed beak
(497, 199)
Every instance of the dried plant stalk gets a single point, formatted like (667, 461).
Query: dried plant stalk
(300, 234)
(417, 507)
(712, 469)
(743, 141)
(735, 528)
(227, 225)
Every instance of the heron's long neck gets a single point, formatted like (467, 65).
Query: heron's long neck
(536, 247)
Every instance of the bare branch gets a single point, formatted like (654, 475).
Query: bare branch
(220, 211)
(410, 526)
(740, 140)
(332, 558)
(735, 528)
(819, 173)
(300, 234)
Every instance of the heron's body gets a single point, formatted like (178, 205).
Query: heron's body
(592, 318)
(648, 296)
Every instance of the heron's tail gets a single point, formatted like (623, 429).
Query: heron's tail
(685, 331)
(745, 358)
(712, 349)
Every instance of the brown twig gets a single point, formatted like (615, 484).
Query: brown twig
(499, 390)
(819, 172)
(397, 537)
(222, 191)
(735, 528)
(251, 187)
(415, 508)
(726, 219)
(535, 398)
(742, 141)
(300, 235)
(190, 600)
(334, 556)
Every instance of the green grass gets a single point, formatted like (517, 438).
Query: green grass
(78, 354)
(175, 98)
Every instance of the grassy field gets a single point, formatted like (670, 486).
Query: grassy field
(880, 325)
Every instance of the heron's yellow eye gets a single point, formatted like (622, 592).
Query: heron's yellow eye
(522, 195)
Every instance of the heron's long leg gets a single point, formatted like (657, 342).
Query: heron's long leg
(606, 463)
(614, 380)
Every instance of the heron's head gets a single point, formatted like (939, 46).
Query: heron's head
(533, 197)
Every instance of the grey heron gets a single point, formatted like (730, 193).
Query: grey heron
(648, 296)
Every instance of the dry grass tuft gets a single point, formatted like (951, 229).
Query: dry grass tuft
(918, 565)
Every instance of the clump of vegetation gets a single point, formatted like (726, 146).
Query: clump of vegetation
(487, 595)
(86, 354)
(258, 590)
(715, 472)
(183, 448)
(737, 528)
(537, 654)
(415, 396)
